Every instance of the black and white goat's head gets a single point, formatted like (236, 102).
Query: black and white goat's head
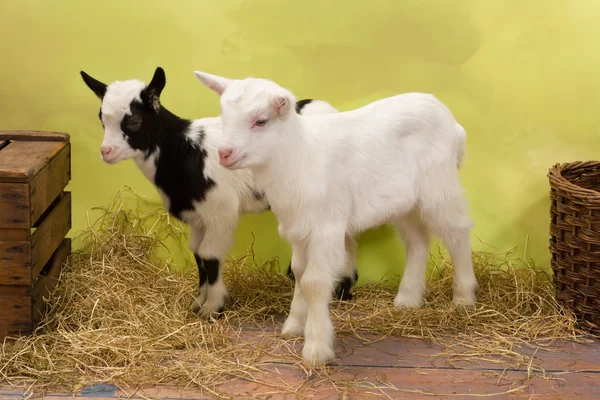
(130, 114)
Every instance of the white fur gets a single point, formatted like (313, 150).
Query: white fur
(214, 220)
(330, 177)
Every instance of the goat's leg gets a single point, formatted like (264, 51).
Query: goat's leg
(211, 251)
(294, 323)
(326, 259)
(343, 288)
(416, 239)
(446, 216)
(202, 284)
(196, 237)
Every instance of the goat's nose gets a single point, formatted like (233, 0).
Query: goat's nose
(105, 150)
(224, 152)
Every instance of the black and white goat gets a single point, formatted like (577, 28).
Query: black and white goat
(180, 157)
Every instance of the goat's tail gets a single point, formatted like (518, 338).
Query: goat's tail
(462, 146)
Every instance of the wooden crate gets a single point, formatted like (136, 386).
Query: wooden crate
(35, 216)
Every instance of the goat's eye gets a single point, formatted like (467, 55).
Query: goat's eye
(134, 123)
(261, 122)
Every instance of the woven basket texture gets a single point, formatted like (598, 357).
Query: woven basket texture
(575, 238)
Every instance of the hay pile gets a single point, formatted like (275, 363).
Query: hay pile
(121, 314)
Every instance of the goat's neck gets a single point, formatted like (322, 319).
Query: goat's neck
(290, 159)
(171, 128)
(169, 134)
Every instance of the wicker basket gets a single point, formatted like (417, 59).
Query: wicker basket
(575, 238)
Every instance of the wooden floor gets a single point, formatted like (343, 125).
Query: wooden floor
(394, 368)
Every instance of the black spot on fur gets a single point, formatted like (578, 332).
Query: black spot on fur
(201, 271)
(343, 289)
(180, 162)
(301, 104)
(211, 265)
(180, 173)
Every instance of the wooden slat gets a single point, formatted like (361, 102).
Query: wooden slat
(44, 284)
(20, 311)
(14, 206)
(22, 261)
(14, 234)
(399, 352)
(22, 160)
(50, 233)
(27, 135)
(15, 316)
(11, 290)
(15, 263)
(49, 182)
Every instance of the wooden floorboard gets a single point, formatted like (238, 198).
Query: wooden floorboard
(391, 368)
(397, 352)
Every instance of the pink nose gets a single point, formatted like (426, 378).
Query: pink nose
(224, 153)
(106, 150)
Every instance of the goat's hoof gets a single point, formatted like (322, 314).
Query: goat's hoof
(292, 328)
(467, 300)
(315, 354)
(466, 295)
(404, 300)
(208, 309)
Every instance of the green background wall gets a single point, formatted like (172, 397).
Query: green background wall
(521, 76)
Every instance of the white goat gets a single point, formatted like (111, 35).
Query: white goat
(180, 158)
(329, 177)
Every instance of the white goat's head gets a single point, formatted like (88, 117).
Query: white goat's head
(254, 113)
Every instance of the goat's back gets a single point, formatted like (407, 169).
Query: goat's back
(376, 159)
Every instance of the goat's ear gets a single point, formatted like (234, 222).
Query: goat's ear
(216, 83)
(281, 104)
(151, 95)
(97, 87)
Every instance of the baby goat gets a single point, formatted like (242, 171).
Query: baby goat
(180, 158)
(329, 177)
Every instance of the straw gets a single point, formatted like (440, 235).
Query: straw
(120, 313)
